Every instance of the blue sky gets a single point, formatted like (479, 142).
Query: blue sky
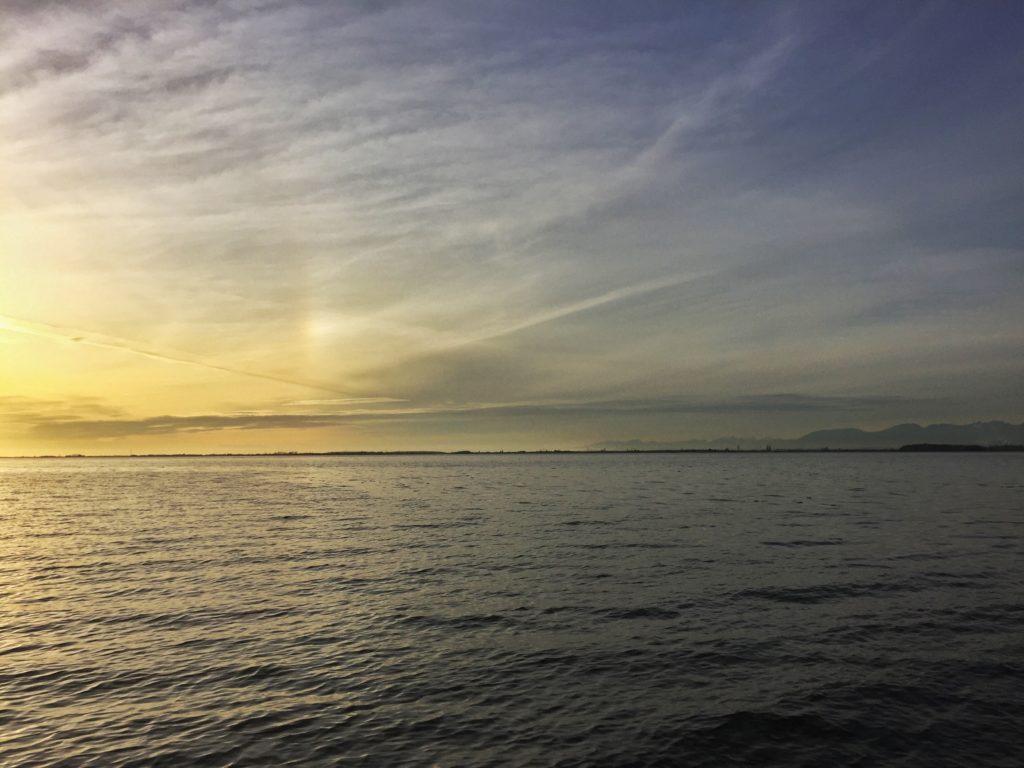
(295, 225)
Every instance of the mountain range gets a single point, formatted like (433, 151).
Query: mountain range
(987, 433)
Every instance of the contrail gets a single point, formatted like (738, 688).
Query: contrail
(103, 341)
(547, 316)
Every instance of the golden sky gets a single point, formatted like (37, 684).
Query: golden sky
(247, 226)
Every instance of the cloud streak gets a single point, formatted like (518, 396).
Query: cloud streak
(64, 428)
(426, 207)
(102, 341)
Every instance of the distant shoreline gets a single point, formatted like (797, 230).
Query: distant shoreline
(915, 448)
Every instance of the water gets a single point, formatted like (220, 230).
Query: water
(826, 609)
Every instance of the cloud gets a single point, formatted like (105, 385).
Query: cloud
(452, 204)
(61, 427)
(17, 409)
(104, 341)
(558, 313)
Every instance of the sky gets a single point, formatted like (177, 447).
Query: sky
(254, 225)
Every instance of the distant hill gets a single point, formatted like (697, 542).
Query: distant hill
(986, 433)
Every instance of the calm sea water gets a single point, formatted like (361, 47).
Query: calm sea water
(863, 609)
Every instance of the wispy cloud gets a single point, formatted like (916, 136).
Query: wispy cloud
(104, 341)
(51, 427)
(423, 207)
(557, 313)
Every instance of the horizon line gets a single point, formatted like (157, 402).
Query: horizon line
(909, 448)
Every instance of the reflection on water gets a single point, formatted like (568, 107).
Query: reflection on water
(513, 610)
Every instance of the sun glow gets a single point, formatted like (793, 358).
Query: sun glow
(472, 236)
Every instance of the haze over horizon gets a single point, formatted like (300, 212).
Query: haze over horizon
(251, 225)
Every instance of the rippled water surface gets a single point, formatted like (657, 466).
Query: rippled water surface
(857, 609)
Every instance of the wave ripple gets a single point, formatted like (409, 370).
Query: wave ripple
(621, 610)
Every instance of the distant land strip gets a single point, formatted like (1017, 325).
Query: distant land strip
(913, 448)
(941, 447)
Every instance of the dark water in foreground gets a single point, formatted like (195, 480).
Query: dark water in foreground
(523, 610)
